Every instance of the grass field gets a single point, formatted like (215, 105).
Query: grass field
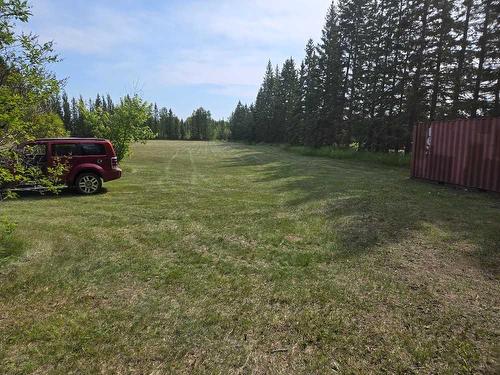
(224, 258)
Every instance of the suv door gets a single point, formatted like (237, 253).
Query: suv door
(35, 155)
(65, 153)
(92, 153)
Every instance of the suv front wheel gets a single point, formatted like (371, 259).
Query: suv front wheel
(88, 183)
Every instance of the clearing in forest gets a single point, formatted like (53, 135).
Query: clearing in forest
(225, 258)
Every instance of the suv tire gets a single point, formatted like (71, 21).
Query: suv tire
(88, 183)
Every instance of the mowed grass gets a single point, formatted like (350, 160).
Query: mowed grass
(225, 258)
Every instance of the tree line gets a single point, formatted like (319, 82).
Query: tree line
(380, 67)
(163, 123)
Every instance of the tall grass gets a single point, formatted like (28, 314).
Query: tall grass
(391, 159)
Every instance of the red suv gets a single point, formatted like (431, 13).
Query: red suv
(90, 161)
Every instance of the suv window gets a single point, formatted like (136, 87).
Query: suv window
(67, 149)
(36, 149)
(35, 154)
(92, 149)
(75, 149)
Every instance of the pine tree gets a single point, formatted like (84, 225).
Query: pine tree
(289, 101)
(75, 114)
(463, 59)
(264, 106)
(353, 21)
(249, 124)
(237, 123)
(442, 43)
(200, 122)
(484, 45)
(66, 113)
(416, 96)
(277, 126)
(163, 125)
(110, 105)
(312, 97)
(332, 64)
(98, 102)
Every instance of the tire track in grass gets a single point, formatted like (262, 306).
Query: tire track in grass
(166, 173)
(194, 171)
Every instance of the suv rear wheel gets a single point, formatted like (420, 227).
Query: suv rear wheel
(88, 183)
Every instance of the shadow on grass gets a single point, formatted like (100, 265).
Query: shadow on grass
(66, 193)
(367, 206)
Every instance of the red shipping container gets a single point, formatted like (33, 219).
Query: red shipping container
(463, 152)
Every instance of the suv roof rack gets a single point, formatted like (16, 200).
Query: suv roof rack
(70, 139)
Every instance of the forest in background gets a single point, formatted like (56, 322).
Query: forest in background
(162, 121)
(381, 67)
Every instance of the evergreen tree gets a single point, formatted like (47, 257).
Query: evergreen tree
(312, 97)
(289, 101)
(416, 96)
(277, 125)
(109, 102)
(332, 74)
(264, 107)
(66, 113)
(490, 16)
(441, 42)
(237, 123)
(98, 102)
(463, 58)
(200, 122)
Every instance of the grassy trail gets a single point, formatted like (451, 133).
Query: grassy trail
(224, 258)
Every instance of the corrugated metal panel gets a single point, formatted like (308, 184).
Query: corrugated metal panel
(462, 152)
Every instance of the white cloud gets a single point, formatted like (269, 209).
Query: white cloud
(259, 21)
(238, 40)
(92, 30)
(212, 65)
(243, 92)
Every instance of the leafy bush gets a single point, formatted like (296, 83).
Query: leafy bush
(26, 87)
(127, 123)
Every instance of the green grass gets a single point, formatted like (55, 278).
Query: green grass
(10, 246)
(224, 258)
(383, 158)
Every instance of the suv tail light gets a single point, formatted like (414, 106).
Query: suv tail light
(114, 162)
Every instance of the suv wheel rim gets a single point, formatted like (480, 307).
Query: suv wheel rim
(88, 184)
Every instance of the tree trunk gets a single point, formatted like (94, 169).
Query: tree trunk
(437, 72)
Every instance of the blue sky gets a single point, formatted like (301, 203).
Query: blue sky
(180, 54)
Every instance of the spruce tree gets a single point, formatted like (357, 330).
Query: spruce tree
(484, 44)
(66, 113)
(289, 100)
(442, 43)
(277, 125)
(332, 74)
(237, 123)
(264, 106)
(312, 97)
(416, 96)
(463, 29)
